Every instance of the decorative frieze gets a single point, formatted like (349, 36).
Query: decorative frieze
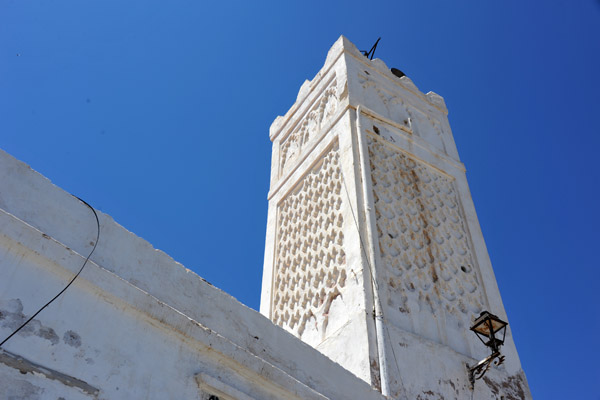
(414, 120)
(308, 127)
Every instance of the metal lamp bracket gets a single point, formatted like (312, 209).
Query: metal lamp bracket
(478, 370)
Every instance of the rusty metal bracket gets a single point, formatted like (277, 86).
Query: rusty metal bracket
(478, 370)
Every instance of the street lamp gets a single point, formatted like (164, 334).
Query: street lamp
(486, 326)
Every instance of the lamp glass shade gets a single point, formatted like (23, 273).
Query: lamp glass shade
(482, 324)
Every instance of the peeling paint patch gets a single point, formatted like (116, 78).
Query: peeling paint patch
(375, 378)
(430, 395)
(48, 333)
(510, 388)
(72, 339)
(11, 317)
(450, 383)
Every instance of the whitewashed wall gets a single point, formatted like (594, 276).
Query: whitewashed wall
(135, 324)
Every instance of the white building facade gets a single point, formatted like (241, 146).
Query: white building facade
(375, 267)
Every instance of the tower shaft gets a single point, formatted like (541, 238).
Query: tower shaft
(374, 254)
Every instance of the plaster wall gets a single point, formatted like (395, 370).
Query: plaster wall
(135, 324)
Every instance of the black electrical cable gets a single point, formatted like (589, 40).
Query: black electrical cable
(72, 280)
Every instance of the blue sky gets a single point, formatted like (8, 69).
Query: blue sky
(157, 113)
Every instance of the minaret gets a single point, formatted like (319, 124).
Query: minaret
(374, 254)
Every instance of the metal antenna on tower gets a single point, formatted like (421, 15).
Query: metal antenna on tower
(369, 54)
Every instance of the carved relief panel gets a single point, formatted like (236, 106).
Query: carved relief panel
(293, 146)
(424, 246)
(309, 256)
(412, 119)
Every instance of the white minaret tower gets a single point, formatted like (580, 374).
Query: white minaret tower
(374, 254)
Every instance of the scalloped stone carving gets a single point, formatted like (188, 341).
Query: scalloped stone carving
(423, 243)
(310, 259)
